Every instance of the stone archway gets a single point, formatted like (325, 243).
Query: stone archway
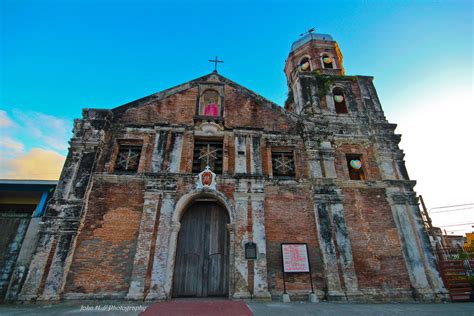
(202, 254)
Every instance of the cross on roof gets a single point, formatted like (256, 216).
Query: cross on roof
(215, 61)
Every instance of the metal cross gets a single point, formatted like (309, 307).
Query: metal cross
(283, 164)
(311, 30)
(209, 153)
(215, 61)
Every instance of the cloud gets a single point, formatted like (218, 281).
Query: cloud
(5, 120)
(37, 164)
(50, 131)
(32, 145)
(9, 146)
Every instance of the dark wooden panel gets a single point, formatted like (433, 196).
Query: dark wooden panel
(202, 259)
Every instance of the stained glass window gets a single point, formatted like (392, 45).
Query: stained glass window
(128, 158)
(283, 163)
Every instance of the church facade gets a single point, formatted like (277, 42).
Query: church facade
(160, 198)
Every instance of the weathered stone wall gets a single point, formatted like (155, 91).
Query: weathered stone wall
(13, 230)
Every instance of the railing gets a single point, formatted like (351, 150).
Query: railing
(456, 267)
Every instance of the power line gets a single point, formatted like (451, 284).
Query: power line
(462, 224)
(456, 230)
(457, 209)
(438, 207)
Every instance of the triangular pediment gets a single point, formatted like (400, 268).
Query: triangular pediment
(212, 78)
(182, 105)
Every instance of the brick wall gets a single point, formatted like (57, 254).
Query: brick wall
(289, 217)
(106, 244)
(375, 241)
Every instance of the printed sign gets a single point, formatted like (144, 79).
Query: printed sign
(295, 257)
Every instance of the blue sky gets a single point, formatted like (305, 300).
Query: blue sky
(58, 57)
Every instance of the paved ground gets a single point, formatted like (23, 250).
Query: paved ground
(123, 308)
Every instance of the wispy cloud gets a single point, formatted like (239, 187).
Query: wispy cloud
(51, 131)
(5, 121)
(10, 146)
(32, 145)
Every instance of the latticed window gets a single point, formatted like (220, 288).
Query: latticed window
(207, 153)
(128, 158)
(283, 163)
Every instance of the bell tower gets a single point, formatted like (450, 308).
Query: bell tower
(312, 54)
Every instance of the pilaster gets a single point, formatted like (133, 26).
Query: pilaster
(241, 289)
(258, 232)
(160, 270)
(144, 244)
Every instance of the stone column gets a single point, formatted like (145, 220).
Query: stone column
(386, 164)
(160, 263)
(240, 277)
(413, 260)
(231, 230)
(46, 244)
(58, 270)
(327, 156)
(314, 162)
(240, 155)
(173, 243)
(328, 249)
(260, 286)
(414, 249)
(255, 156)
(431, 266)
(144, 242)
(344, 248)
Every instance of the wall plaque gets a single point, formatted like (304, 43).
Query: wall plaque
(250, 251)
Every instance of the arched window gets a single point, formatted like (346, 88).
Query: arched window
(210, 103)
(339, 100)
(327, 61)
(305, 64)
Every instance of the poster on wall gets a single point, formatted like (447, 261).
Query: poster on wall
(295, 257)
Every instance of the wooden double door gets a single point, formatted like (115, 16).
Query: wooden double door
(202, 255)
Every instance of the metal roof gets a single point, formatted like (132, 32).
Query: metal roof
(28, 182)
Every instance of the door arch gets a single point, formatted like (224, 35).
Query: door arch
(202, 254)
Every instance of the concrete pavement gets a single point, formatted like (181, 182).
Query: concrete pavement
(125, 308)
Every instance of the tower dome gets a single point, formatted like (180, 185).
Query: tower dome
(308, 37)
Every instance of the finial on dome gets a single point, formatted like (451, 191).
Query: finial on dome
(311, 30)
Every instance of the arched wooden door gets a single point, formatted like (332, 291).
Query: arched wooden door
(202, 255)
